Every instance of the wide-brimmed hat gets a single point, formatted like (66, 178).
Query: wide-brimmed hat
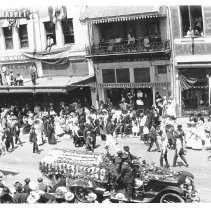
(60, 192)
(40, 179)
(69, 196)
(119, 151)
(120, 196)
(106, 194)
(27, 180)
(33, 186)
(6, 190)
(1, 176)
(91, 197)
(33, 197)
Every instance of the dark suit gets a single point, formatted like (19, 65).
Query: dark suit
(127, 178)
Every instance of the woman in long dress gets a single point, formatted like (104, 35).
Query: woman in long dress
(58, 129)
(197, 144)
(51, 131)
(38, 131)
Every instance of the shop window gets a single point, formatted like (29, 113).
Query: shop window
(8, 38)
(161, 70)
(50, 31)
(122, 75)
(141, 75)
(67, 27)
(23, 35)
(191, 20)
(108, 76)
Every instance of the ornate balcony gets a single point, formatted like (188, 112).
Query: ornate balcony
(138, 47)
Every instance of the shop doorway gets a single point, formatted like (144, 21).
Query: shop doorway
(116, 94)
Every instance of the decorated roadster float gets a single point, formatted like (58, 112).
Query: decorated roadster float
(87, 172)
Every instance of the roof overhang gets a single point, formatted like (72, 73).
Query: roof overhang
(106, 14)
(50, 85)
(192, 61)
(133, 85)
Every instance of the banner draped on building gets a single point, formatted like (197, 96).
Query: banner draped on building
(50, 58)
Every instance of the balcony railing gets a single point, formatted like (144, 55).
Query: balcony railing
(139, 46)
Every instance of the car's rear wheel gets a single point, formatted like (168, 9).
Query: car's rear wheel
(171, 198)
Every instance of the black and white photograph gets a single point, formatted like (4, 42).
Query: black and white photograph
(105, 104)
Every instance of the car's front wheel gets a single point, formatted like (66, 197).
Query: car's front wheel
(171, 198)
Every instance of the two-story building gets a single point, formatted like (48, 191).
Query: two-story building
(191, 56)
(23, 44)
(129, 48)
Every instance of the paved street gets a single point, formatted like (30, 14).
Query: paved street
(23, 163)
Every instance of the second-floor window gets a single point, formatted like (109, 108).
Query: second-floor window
(23, 35)
(67, 27)
(8, 38)
(191, 21)
(50, 31)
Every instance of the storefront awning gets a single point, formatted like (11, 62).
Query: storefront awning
(191, 61)
(105, 14)
(132, 85)
(49, 85)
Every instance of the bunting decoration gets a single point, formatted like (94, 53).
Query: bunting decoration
(187, 82)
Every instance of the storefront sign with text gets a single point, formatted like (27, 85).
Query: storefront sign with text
(189, 48)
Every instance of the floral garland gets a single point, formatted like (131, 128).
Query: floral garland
(73, 164)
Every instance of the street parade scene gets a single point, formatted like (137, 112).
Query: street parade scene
(105, 104)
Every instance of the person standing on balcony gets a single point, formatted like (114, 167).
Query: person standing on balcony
(3, 76)
(146, 43)
(131, 39)
(50, 43)
(111, 43)
(19, 80)
(33, 73)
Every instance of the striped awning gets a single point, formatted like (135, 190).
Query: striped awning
(132, 85)
(106, 14)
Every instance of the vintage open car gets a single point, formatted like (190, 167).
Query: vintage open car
(87, 172)
(151, 184)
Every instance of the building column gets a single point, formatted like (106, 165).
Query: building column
(152, 80)
(177, 94)
(59, 34)
(94, 97)
(15, 36)
(2, 41)
(39, 68)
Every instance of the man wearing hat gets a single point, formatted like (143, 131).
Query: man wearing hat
(41, 185)
(118, 161)
(20, 196)
(69, 197)
(26, 186)
(16, 131)
(127, 154)
(126, 176)
(106, 196)
(89, 142)
(5, 196)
